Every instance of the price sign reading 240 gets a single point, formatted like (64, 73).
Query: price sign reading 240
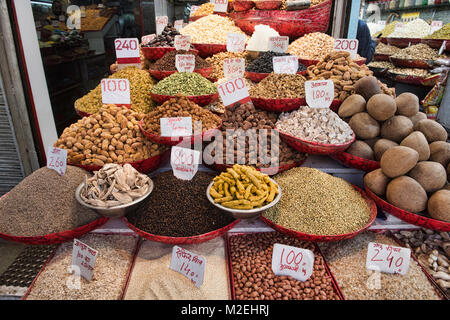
(127, 50)
(233, 91)
(386, 258)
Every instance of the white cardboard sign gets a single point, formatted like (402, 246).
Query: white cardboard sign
(184, 162)
(185, 62)
(176, 127)
(178, 24)
(233, 91)
(84, 257)
(182, 42)
(319, 93)
(161, 23)
(278, 44)
(349, 45)
(292, 261)
(285, 64)
(148, 38)
(234, 68)
(116, 91)
(388, 259)
(235, 42)
(57, 159)
(188, 264)
(220, 5)
(127, 50)
(435, 25)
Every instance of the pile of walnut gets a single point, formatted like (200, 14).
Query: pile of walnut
(110, 136)
(432, 248)
(114, 185)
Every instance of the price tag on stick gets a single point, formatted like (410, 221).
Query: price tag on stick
(233, 91)
(292, 261)
(116, 91)
(235, 42)
(234, 68)
(178, 24)
(185, 62)
(161, 23)
(435, 25)
(319, 93)
(278, 44)
(182, 42)
(188, 264)
(388, 259)
(285, 64)
(220, 5)
(184, 162)
(57, 159)
(349, 45)
(127, 51)
(176, 127)
(148, 38)
(84, 257)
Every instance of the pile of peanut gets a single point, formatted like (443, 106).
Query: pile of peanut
(339, 67)
(313, 46)
(110, 136)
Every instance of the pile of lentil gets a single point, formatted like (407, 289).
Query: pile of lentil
(317, 203)
(264, 63)
(253, 278)
(179, 208)
(115, 253)
(185, 83)
(347, 261)
(167, 62)
(217, 62)
(180, 106)
(165, 39)
(152, 279)
(44, 203)
(140, 84)
(279, 86)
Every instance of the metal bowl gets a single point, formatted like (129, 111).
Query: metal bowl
(245, 214)
(117, 211)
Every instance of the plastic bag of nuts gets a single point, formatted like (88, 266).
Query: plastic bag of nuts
(253, 278)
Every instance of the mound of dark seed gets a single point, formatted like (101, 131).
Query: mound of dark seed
(179, 208)
(264, 63)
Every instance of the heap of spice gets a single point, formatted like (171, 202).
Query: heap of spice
(167, 62)
(279, 86)
(140, 84)
(180, 106)
(217, 62)
(264, 63)
(185, 83)
(44, 203)
(110, 136)
(317, 203)
(179, 208)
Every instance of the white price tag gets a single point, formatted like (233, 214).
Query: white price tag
(182, 42)
(178, 24)
(399, 26)
(235, 42)
(278, 44)
(62, 18)
(382, 22)
(84, 258)
(349, 45)
(388, 259)
(176, 127)
(233, 91)
(233, 68)
(55, 23)
(291, 261)
(116, 91)
(184, 162)
(443, 46)
(220, 5)
(319, 93)
(188, 264)
(185, 62)
(285, 64)
(127, 50)
(148, 38)
(435, 25)
(161, 23)
(57, 159)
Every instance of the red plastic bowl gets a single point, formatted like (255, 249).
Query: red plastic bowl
(412, 63)
(327, 238)
(172, 141)
(279, 105)
(207, 50)
(159, 75)
(352, 161)
(407, 216)
(311, 147)
(181, 240)
(257, 77)
(416, 80)
(82, 114)
(202, 101)
(144, 166)
(267, 4)
(58, 237)
(242, 5)
(436, 43)
(381, 57)
(308, 62)
(155, 53)
(335, 104)
(403, 42)
(383, 40)
(360, 61)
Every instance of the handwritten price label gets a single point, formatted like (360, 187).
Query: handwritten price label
(184, 162)
(178, 24)
(188, 264)
(220, 5)
(349, 45)
(233, 68)
(292, 261)
(185, 62)
(435, 25)
(161, 23)
(127, 50)
(57, 159)
(443, 46)
(319, 93)
(84, 257)
(233, 91)
(182, 43)
(116, 91)
(278, 44)
(382, 22)
(285, 64)
(148, 38)
(388, 259)
(176, 127)
(235, 42)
